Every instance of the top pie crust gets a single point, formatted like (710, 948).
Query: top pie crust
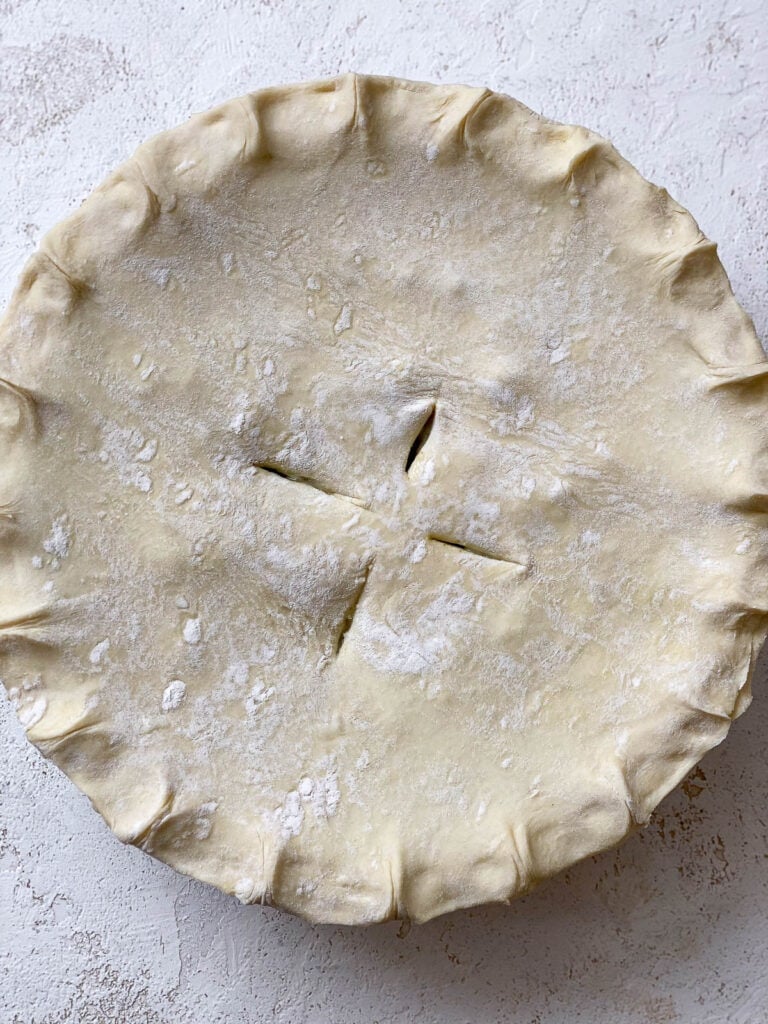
(382, 498)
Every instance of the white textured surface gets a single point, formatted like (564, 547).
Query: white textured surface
(670, 928)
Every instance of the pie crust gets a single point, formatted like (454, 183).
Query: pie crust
(382, 498)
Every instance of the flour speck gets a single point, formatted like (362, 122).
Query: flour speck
(173, 695)
(99, 652)
(29, 714)
(291, 814)
(192, 631)
(344, 320)
(148, 452)
(58, 541)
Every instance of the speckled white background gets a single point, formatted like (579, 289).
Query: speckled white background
(673, 927)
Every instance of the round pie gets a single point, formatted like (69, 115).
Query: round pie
(382, 498)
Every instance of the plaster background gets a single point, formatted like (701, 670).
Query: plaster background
(672, 927)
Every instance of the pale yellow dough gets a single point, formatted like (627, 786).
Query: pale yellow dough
(383, 498)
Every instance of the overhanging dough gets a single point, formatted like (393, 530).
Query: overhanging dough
(382, 498)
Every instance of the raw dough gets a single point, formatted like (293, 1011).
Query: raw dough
(383, 498)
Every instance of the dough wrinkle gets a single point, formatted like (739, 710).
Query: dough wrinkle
(60, 724)
(522, 859)
(589, 164)
(639, 816)
(28, 419)
(43, 291)
(462, 129)
(141, 165)
(394, 911)
(254, 145)
(728, 376)
(697, 708)
(697, 274)
(133, 204)
(177, 829)
(78, 288)
(68, 739)
(744, 692)
(747, 614)
(359, 118)
(32, 619)
(141, 834)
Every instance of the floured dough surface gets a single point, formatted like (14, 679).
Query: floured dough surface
(382, 498)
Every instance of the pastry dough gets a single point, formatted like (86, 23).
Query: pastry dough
(383, 498)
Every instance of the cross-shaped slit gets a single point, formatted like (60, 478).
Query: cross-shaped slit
(296, 478)
(305, 481)
(349, 615)
(448, 538)
(476, 549)
(422, 436)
